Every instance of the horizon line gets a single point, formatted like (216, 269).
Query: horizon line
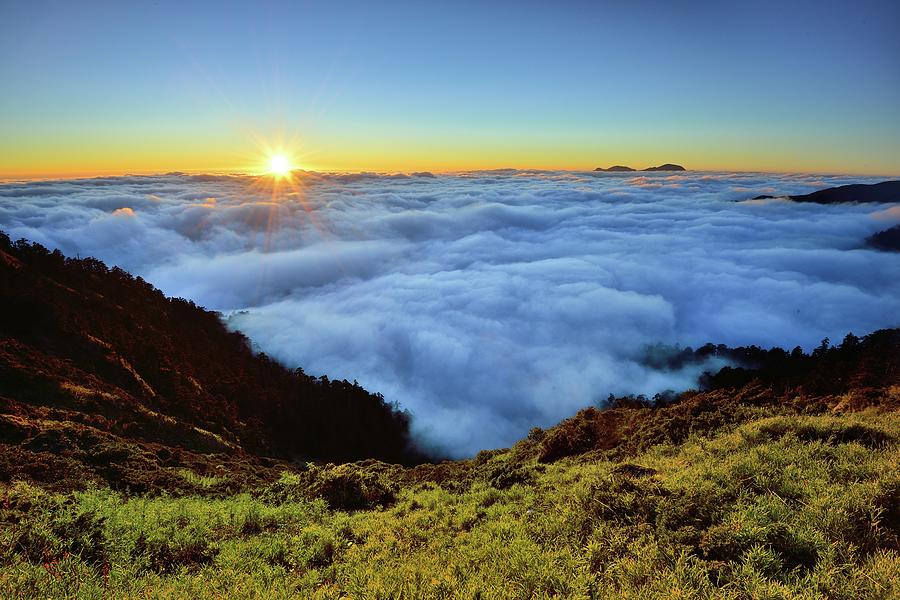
(104, 173)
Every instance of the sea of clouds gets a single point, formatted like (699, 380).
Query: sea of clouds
(487, 303)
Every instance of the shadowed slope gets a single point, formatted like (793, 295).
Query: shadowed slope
(886, 191)
(92, 359)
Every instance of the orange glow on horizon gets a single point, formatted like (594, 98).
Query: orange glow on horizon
(345, 156)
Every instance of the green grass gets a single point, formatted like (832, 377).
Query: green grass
(201, 481)
(779, 507)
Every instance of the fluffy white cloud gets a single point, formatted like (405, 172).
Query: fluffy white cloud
(487, 302)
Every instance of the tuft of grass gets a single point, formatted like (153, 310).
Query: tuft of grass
(201, 481)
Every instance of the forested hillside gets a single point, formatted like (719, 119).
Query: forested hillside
(103, 378)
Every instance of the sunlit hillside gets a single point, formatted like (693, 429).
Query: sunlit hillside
(777, 478)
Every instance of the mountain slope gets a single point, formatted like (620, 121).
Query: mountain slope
(885, 191)
(777, 478)
(91, 357)
(779, 481)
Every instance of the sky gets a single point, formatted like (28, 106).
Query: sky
(488, 302)
(95, 88)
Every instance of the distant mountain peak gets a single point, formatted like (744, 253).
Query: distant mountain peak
(622, 168)
(666, 167)
(616, 168)
(885, 191)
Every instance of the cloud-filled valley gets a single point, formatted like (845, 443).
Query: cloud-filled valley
(487, 302)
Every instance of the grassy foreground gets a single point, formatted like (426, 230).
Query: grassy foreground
(778, 506)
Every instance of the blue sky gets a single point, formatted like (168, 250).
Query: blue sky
(354, 85)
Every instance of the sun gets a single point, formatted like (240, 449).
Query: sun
(279, 165)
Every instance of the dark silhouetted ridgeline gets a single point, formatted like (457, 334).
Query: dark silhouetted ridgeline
(624, 169)
(889, 239)
(885, 191)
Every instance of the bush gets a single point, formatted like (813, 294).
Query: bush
(350, 489)
(45, 528)
(766, 522)
(874, 518)
(617, 500)
(829, 432)
(166, 556)
(506, 474)
(590, 429)
(345, 487)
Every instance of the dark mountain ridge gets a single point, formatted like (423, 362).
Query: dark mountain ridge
(616, 169)
(622, 168)
(666, 167)
(885, 191)
(94, 361)
(889, 239)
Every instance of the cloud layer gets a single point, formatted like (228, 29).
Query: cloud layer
(486, 302)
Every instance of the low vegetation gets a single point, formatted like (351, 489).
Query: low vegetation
(779, 477)
(777, 507)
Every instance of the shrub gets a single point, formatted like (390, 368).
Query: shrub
(47, 528)
(506, 474)
(616, 500)
(168, 556)
(733, 539)
(874, 518)
(345, 487)
(590, 429)
(828, 432)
